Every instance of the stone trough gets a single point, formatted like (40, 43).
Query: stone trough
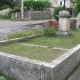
(23, 68)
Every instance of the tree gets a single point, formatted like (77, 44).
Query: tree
(36, 4)
(17, 3)
(56, 12)
(6, 2)
(78, 1)
(77, 7)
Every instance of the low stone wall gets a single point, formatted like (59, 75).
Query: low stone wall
(27, 69)
(32, 15)
(18, 39)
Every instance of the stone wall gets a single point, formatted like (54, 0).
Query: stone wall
(27, 69)
(32, 15)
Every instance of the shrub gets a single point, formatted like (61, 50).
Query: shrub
(56, 12)
(36, 31)
(23, 34)
(77, 9)
(6, 13)
(16, 8)
(19, 34)
(36, 5)
(50, 31)
(28, 4)
(5, 7)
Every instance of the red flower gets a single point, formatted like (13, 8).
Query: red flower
(53, 24)
(75, 20)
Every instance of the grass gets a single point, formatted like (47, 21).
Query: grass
(7, 77)
(42, 54)
(6, 19)
(36, 53)
(60, 42)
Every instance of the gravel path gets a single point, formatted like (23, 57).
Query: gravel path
(16, 26)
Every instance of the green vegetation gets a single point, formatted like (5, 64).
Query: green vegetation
(5, 7)
(31, 52)
(60, 42)
(50, 30)
(19, 34)
(56, 12)
(7, 19)
(5, 13)
(43, 54)
(77, 9)
(78, 1)
(16, 8)
(4, 4)
(24, 34)
(36, 5)
(7, 77)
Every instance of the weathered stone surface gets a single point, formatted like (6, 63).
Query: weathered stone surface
(64, 14)
(27, 69)
(33, 15)
(2, 78)
(64, 23)
(63, 33)
(78, 22)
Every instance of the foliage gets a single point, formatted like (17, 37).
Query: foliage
(36, 5)
(5, 13)
(7, 77)
(19, 34)
(28, 4)
(50, 31)
(17, 3)
(77, 9)
(16, 8)
(23, 34)
(56, 12)
(5, 7)
(78, 1)
(36, 31)
(6, 2)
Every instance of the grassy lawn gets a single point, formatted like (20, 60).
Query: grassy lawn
(43, 54)
(60, 42)
(36, 53)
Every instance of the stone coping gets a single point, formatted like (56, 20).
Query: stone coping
(23, 68)
(19, 39)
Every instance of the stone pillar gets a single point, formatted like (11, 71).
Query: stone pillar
(64, 23)
(22, 9)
